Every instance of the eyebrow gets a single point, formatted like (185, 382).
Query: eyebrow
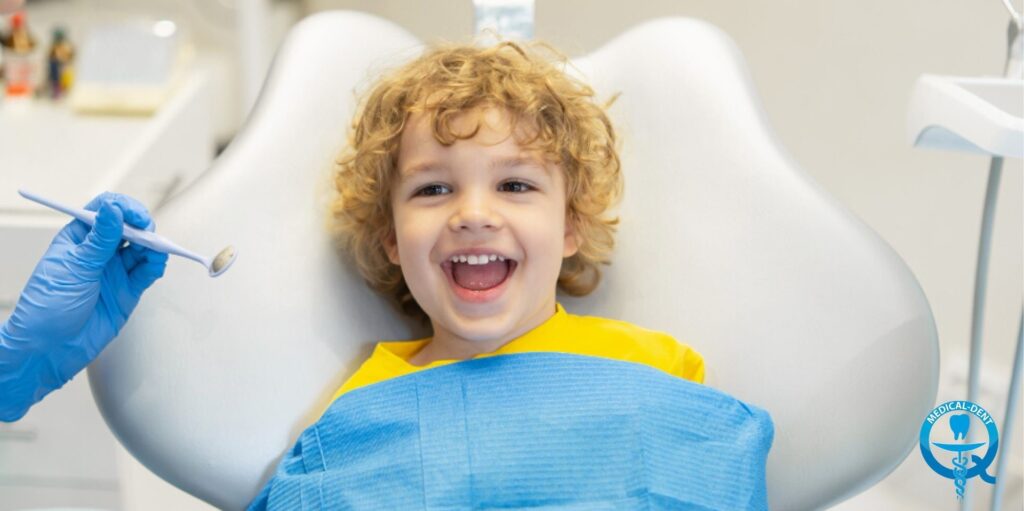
(497, 164)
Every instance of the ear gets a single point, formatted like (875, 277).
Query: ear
(571, 242)
(391, 246)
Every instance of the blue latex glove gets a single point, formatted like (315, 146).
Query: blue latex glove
(77, 299)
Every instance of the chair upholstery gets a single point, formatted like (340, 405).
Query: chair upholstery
(725, 243)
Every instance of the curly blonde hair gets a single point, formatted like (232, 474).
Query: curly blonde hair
(449, 79)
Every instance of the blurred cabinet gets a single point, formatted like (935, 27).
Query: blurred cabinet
(60, 454)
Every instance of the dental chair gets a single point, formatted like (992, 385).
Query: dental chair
(725, 243)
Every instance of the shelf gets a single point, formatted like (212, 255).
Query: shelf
(972, 114)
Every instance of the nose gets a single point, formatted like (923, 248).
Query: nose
(474, 211)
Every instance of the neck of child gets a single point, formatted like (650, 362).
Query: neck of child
(445, 345)
(435, 350)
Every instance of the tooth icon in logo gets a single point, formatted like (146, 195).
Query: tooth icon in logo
(959, 424)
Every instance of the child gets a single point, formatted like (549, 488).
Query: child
(435, 166)
(475, 183)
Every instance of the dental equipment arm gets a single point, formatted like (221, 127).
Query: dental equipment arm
(76, 301)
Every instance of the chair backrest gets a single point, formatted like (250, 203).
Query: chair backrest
(796, 305)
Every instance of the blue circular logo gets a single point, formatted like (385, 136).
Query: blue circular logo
(959, 451)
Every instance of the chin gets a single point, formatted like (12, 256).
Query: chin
(490, 333)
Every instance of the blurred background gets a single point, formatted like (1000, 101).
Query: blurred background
(834, 79)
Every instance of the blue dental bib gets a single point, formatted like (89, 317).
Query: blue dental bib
(529, 430)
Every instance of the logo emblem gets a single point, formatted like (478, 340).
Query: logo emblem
(945, 430)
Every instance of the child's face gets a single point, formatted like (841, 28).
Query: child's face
(461, 202)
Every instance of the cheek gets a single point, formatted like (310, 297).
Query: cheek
(417, 235)
(544, 240)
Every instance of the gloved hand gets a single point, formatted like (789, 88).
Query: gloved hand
(77, 299)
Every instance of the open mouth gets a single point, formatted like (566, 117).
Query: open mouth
(479, 282)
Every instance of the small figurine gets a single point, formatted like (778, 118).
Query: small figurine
(59, 71)
(18, 46)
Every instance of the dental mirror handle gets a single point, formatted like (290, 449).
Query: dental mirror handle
(145, 238)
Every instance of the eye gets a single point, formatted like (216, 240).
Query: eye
(524, 188)
(432, 187)
(422, 192)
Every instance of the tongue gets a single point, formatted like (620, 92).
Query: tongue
(480, 276)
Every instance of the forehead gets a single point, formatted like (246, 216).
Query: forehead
(419, 147)
(495, 124)
(497, 163)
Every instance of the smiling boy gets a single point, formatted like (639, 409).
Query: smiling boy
(481, 198)
(475, 184)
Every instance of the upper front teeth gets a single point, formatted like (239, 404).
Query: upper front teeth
(476, 259)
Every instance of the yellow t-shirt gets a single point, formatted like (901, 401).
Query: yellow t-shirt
(562, 333)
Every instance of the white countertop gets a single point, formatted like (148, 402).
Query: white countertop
(47, 148)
